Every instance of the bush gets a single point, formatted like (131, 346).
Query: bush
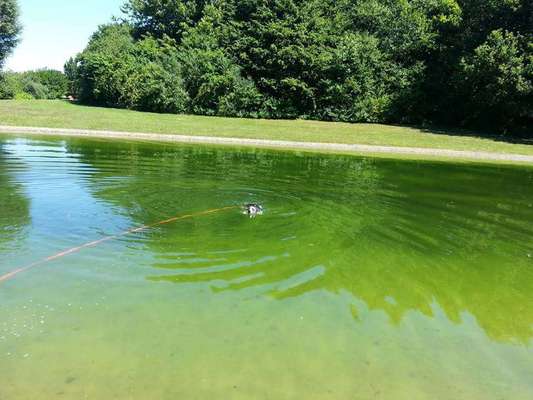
(8, 86)
(242, 100)
(55, 82)
(498, 78)
(155, 82)
(359, 82)
(102, 67)
(215, 85)
(35, 89)
(23, 96)
(40, 84)
(212, 79)
(116, 71)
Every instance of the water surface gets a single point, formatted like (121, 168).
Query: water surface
(365, 278)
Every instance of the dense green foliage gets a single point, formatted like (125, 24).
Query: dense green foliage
(115, 70)
(455, 62)
(40, 84)
(9, 28)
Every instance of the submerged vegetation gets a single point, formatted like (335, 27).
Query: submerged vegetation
(453, 62)
(359, 269)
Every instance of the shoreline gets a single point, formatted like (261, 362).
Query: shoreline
(359, 149)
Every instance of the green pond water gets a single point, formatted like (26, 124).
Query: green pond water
(364, 278)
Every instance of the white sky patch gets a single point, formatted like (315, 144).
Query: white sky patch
(55, 30)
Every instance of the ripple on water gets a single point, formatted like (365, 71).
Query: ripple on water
(374, 267)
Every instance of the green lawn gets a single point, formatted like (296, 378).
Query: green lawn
(61, 114)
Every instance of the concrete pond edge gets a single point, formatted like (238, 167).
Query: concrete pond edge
(278, 144)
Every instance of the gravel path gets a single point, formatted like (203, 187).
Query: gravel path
(282, 144)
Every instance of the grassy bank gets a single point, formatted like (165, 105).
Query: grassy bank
(61, 114)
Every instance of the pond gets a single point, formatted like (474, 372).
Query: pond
(364, 278)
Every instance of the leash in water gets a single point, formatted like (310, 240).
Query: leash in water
(76, 249)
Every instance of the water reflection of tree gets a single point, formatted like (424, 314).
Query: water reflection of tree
(400, 236)
(14, 205)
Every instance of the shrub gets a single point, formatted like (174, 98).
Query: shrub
(36, 89)
(40, 84)
(498, 78)
(23, 96)
(55, 82)
(359, 82)
(116, 71)
(8, 86)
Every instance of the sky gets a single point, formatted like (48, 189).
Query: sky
(54, 30)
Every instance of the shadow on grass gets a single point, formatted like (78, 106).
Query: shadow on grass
(438, 130)
(478, 134)
(501, 137)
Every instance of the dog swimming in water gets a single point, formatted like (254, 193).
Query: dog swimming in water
(252, 209)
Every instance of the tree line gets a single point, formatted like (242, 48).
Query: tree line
(461, 63)
(42, 84)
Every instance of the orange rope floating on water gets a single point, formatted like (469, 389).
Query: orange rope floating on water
(76, 249)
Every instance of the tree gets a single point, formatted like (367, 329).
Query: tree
(211, 76)
(396, 61)
(9, 85)
(161, 18)
(115, 70)
(40, 84)
(70, 69)
(54, 82)
(360, 81)
(498, 78)
(9, 28)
